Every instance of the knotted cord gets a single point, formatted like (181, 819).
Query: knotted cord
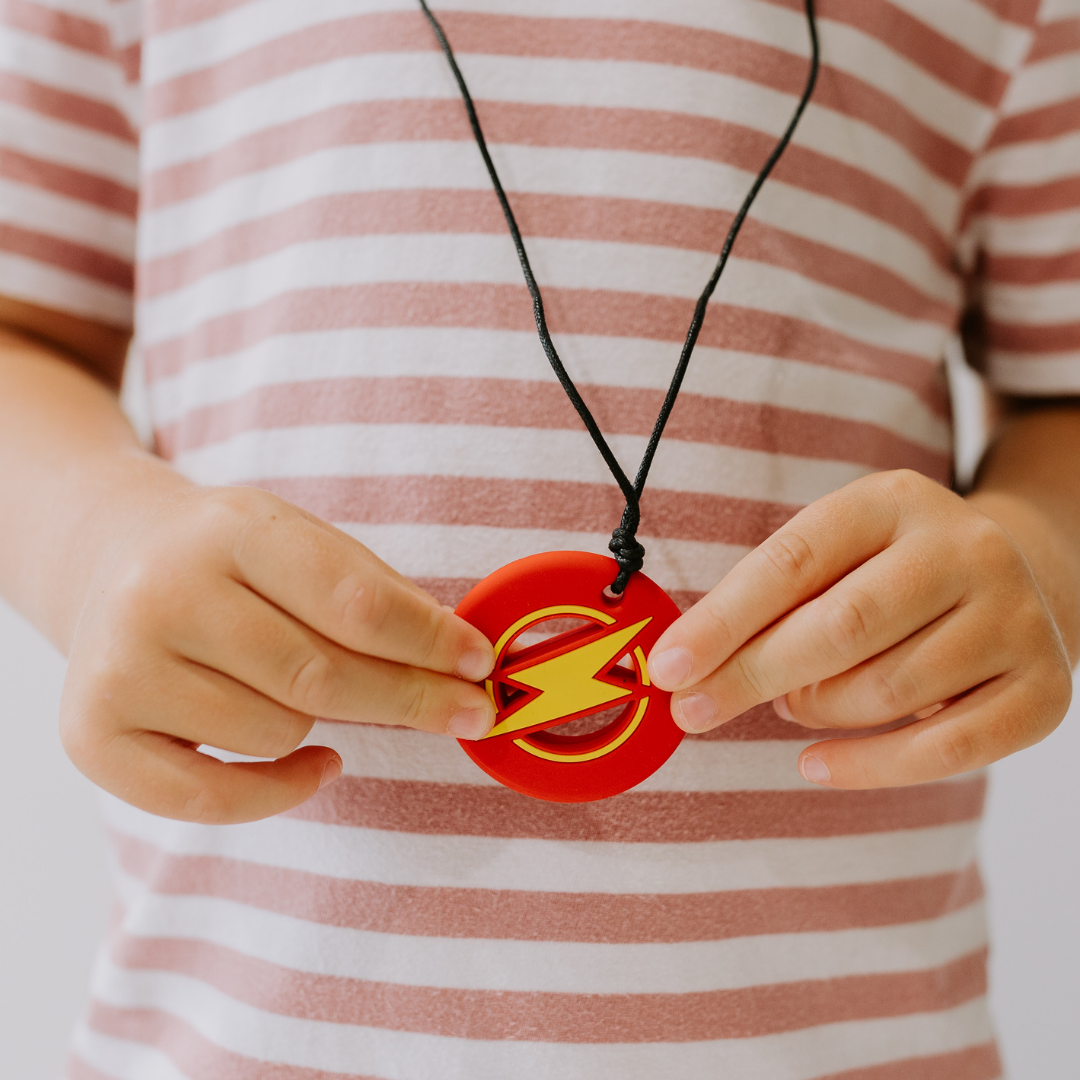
(624, 545)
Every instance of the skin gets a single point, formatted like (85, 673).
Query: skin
(228, 617)
(894, 597)
(192, 615)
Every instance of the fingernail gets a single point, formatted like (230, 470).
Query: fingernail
(470, 724)
(780, 707)
(696, 711)
(929, 711)
(476, 664)
(331, 771)
(671, 667)
(815, 770)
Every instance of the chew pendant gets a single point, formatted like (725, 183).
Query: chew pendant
(578, 674)
(589, 675)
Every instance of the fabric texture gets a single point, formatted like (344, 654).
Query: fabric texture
(328, 306)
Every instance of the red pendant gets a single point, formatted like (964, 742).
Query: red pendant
(566, 655)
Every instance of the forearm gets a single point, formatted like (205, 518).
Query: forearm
(1030, 484)
(71, 473)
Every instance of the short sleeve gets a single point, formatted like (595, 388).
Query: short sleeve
(1022, 233)
(69, 88)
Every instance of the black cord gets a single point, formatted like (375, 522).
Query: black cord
(628, 552)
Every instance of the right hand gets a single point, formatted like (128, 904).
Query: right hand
(231, 618)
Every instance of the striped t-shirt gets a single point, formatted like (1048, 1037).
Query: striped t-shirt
(286, 200)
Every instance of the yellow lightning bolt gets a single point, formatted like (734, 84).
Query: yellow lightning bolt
(568, 683)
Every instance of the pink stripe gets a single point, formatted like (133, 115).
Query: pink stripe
(639, 817)
(1056, 39)
(61, 105)
(529, 504)
(75, 258)
(1063, 337)
(572, 311)
(920, 43)
(559, 1017)
(1034, 269)
(1015, 200)
(192, 1053)
(642, 131)
(71, 183)
(77, 1069)
(58, 26)
(609, 220)
(523, 915)
(1049, 122)
(974, 1063)
(543, 405)
(578, 38)
(161, 18)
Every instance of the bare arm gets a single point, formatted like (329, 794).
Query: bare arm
(895, 597)
(199, 616)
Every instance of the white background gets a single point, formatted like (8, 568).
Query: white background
(54, 896)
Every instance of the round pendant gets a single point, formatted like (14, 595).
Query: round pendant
(577, 719)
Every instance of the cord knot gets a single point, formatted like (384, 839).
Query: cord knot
(629, 554)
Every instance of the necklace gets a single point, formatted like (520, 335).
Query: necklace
(597, 666)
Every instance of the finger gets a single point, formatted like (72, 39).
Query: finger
(242, 636)
(170, 778)
(998, 718)
(332, 584)
(877, 605)
(941, 661)
(203, 706)
(813, 551)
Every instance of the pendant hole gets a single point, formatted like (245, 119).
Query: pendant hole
(586, 725)
(612, 598)
(543, 631)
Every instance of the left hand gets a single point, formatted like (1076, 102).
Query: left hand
(892, 597)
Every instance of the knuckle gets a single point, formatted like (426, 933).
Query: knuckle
(893, 691)
(749, 676)
(848, 622)
(312, 685)
(790, 554)
(416, 704)
(955, 749)
(205, 806)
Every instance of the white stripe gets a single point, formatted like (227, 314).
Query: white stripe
(1035, 373)
(1035, 162)
(1047, 82)
(439, 551)
(57, 215)
(124, 1059)
(45, 60)
(40, 283)
(422, 352)
(351, 450)
(571, 264)
(557, 967)
(796, 1055)
(1046, 304)
(974, 27)
(481, 862)
(386, 753)
(69, 144)
(404, 166)
(1032, 234)
(936, 103)
(617, 84)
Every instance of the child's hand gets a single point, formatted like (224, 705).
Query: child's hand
(231, 618)
(888, 598)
